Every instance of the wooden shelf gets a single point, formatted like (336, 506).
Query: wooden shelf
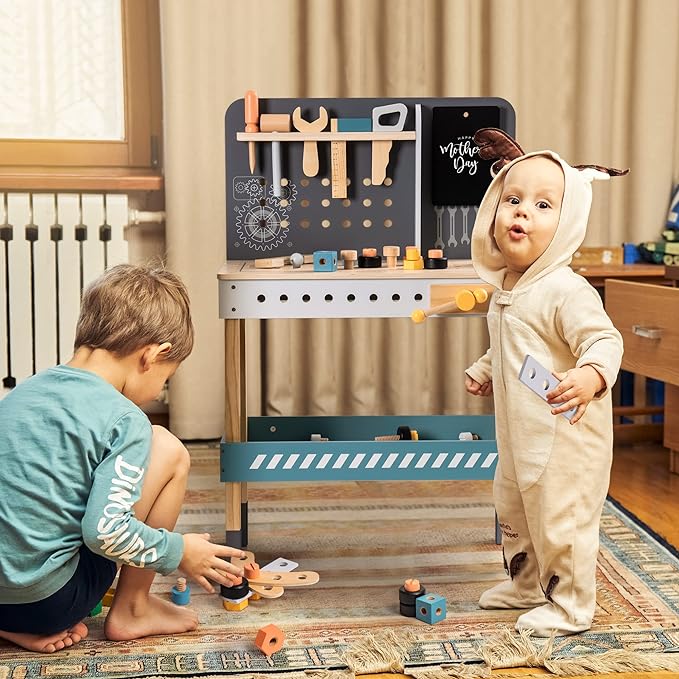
(326, 136)
(79, 179)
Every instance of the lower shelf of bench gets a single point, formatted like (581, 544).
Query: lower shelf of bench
(279, 449)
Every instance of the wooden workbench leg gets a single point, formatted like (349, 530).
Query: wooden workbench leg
(671, 425)
(235, 428)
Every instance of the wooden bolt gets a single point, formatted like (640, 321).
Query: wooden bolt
(349, 257)
(391, 253)
(369, 252)
(411, 585)
(435, 253)
(251, 571)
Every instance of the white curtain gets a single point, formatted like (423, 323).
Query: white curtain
(596, 81)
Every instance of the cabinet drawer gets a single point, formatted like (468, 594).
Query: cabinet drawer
(647, 317)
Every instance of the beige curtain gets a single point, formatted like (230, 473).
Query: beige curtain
(597, 81)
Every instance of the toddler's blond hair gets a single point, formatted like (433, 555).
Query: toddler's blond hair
(129, 307)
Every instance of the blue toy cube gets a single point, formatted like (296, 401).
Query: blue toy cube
(430, 608)
(325, 260)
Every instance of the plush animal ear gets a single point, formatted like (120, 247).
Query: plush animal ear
(610, 171)
(496, 144)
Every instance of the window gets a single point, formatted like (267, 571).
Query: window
(81, 84)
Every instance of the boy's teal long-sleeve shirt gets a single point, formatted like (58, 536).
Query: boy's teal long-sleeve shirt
(73, 454)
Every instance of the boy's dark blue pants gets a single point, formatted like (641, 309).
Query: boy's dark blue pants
(63, 609)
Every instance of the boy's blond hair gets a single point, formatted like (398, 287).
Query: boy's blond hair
(129, 307)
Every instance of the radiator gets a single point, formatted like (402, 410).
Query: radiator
(51, 247)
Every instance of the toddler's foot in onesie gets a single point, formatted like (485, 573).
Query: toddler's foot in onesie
(48, 643)
(506, 595)
(547, 619)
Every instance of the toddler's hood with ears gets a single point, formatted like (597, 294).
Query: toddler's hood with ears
(571, 229)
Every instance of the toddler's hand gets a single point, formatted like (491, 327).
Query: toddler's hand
(474, 387)
(578, 387)
(202, 560)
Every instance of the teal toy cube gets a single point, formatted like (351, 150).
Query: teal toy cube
(430, 608)
(325, 260)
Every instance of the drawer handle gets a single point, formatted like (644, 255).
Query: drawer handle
(648, 333)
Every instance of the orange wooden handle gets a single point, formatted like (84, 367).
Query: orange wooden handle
(251, 111)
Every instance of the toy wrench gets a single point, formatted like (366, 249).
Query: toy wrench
(310, 158)
(381, 148)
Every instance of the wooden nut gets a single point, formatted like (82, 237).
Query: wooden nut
(270, 639)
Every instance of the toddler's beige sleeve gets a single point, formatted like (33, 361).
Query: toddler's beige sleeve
(481, 370)
(591, 335)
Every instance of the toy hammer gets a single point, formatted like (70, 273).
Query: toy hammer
(465, 300)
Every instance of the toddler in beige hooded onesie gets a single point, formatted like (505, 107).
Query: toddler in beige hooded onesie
(552, 475)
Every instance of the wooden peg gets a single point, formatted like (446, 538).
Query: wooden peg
(391, 253)
(349, 258)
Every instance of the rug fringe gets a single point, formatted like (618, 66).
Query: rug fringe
(387, 650)
(382, 652)
(611, 662)
(460, 671)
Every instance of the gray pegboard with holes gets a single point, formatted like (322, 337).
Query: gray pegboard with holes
(305, 217)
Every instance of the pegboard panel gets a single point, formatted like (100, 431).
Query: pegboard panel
(433, 181)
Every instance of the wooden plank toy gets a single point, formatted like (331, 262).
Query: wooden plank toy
(269, 581)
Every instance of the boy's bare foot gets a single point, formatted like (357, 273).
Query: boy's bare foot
(48, 643)
(154, 616)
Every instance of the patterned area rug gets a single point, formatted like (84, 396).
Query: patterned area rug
(365, 538)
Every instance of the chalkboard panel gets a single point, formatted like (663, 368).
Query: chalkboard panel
(459, 176)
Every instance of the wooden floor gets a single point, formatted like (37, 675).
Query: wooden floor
(642, 483)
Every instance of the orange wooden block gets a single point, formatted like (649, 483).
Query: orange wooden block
(270, 639)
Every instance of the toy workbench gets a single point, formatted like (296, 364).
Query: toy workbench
(331, 174)
(308, 175)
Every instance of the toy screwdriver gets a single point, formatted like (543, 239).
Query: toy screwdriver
(251, 123)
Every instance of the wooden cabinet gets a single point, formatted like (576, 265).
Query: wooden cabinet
(647, 316)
